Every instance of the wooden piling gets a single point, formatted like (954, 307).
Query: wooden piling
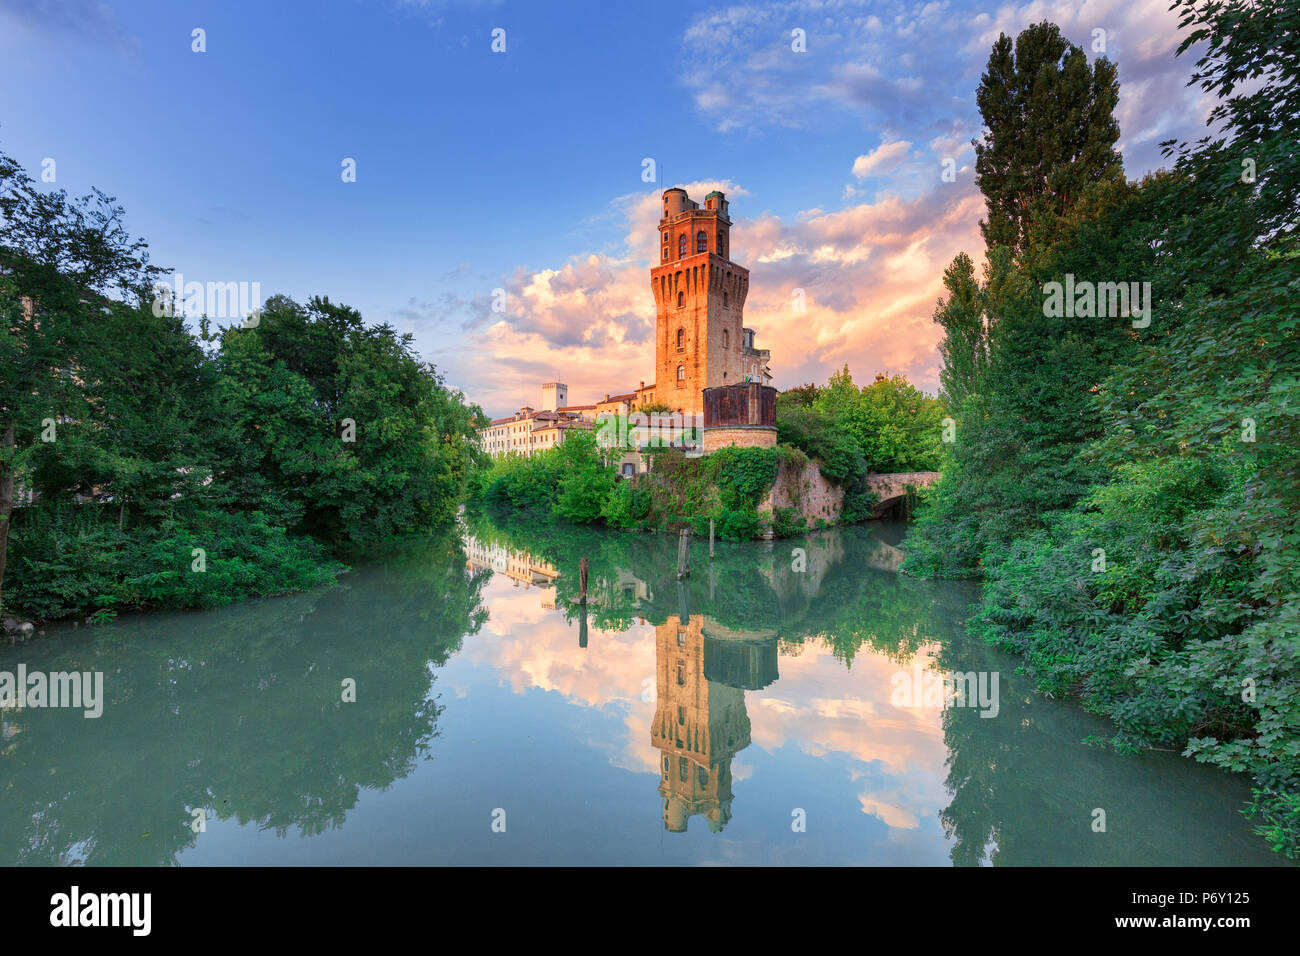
(683, 554)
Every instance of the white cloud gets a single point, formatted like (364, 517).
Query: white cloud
(868, 163)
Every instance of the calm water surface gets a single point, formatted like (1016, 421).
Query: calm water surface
(749, 714)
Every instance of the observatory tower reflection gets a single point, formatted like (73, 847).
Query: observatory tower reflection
(700, 723)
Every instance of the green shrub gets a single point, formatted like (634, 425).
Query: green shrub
(75, 561)
(628, 505)
(787, 522)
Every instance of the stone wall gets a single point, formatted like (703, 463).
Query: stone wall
(806, 490)
(755, 436)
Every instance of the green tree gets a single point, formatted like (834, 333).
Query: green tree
(586, 482)
(1129, 493)
(1050, 135)
(59, 258)
(965, 345)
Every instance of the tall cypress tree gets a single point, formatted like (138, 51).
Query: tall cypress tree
(1050, 133)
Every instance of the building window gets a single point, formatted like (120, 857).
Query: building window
(704, 776)
(726, 339)
(665, 252)
(665, 238)
(681, 246)
(681, 300)
(681, 339)
(724, 301)
(681, 375)
(683, 769)
(681, 673)
(701, 241)
(722, 251)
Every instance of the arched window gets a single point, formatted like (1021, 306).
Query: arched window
(726, 337)
(724, 300)
(681, 246)
(681, 338)
(681, 300)
(722, 250)
(701, 241)
(681, 373)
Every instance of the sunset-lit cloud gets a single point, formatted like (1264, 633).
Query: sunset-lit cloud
(868, 163)
(870, 272)
(869, 275)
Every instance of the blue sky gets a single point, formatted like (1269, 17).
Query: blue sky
(522, 170)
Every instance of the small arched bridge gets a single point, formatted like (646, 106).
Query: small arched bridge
(891, 489)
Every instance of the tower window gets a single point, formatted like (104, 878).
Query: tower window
(701, 241)
(681, 300)
(724, 301)
(681, 375)
(681, 339)
(722, 249)
(726, 334)
(681, 246)
(665, 252)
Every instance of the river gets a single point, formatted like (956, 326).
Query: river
(782, 704)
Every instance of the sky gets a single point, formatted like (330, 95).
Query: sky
(524, 169)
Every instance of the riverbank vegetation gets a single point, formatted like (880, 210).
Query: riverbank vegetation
(146, 464)
(575, 481)
(848, 430)
(1126, 485)
(887, 426)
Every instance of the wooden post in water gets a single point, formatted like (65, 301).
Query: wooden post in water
(710, 539)
(683, 552)
(582, 581)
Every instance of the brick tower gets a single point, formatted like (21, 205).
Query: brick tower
(700, 338)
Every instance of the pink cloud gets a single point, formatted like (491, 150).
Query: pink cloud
(869, 273)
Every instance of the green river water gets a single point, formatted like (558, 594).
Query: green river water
(774, 707)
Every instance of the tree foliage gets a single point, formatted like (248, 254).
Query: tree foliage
(1129, 493)
(138, 445)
